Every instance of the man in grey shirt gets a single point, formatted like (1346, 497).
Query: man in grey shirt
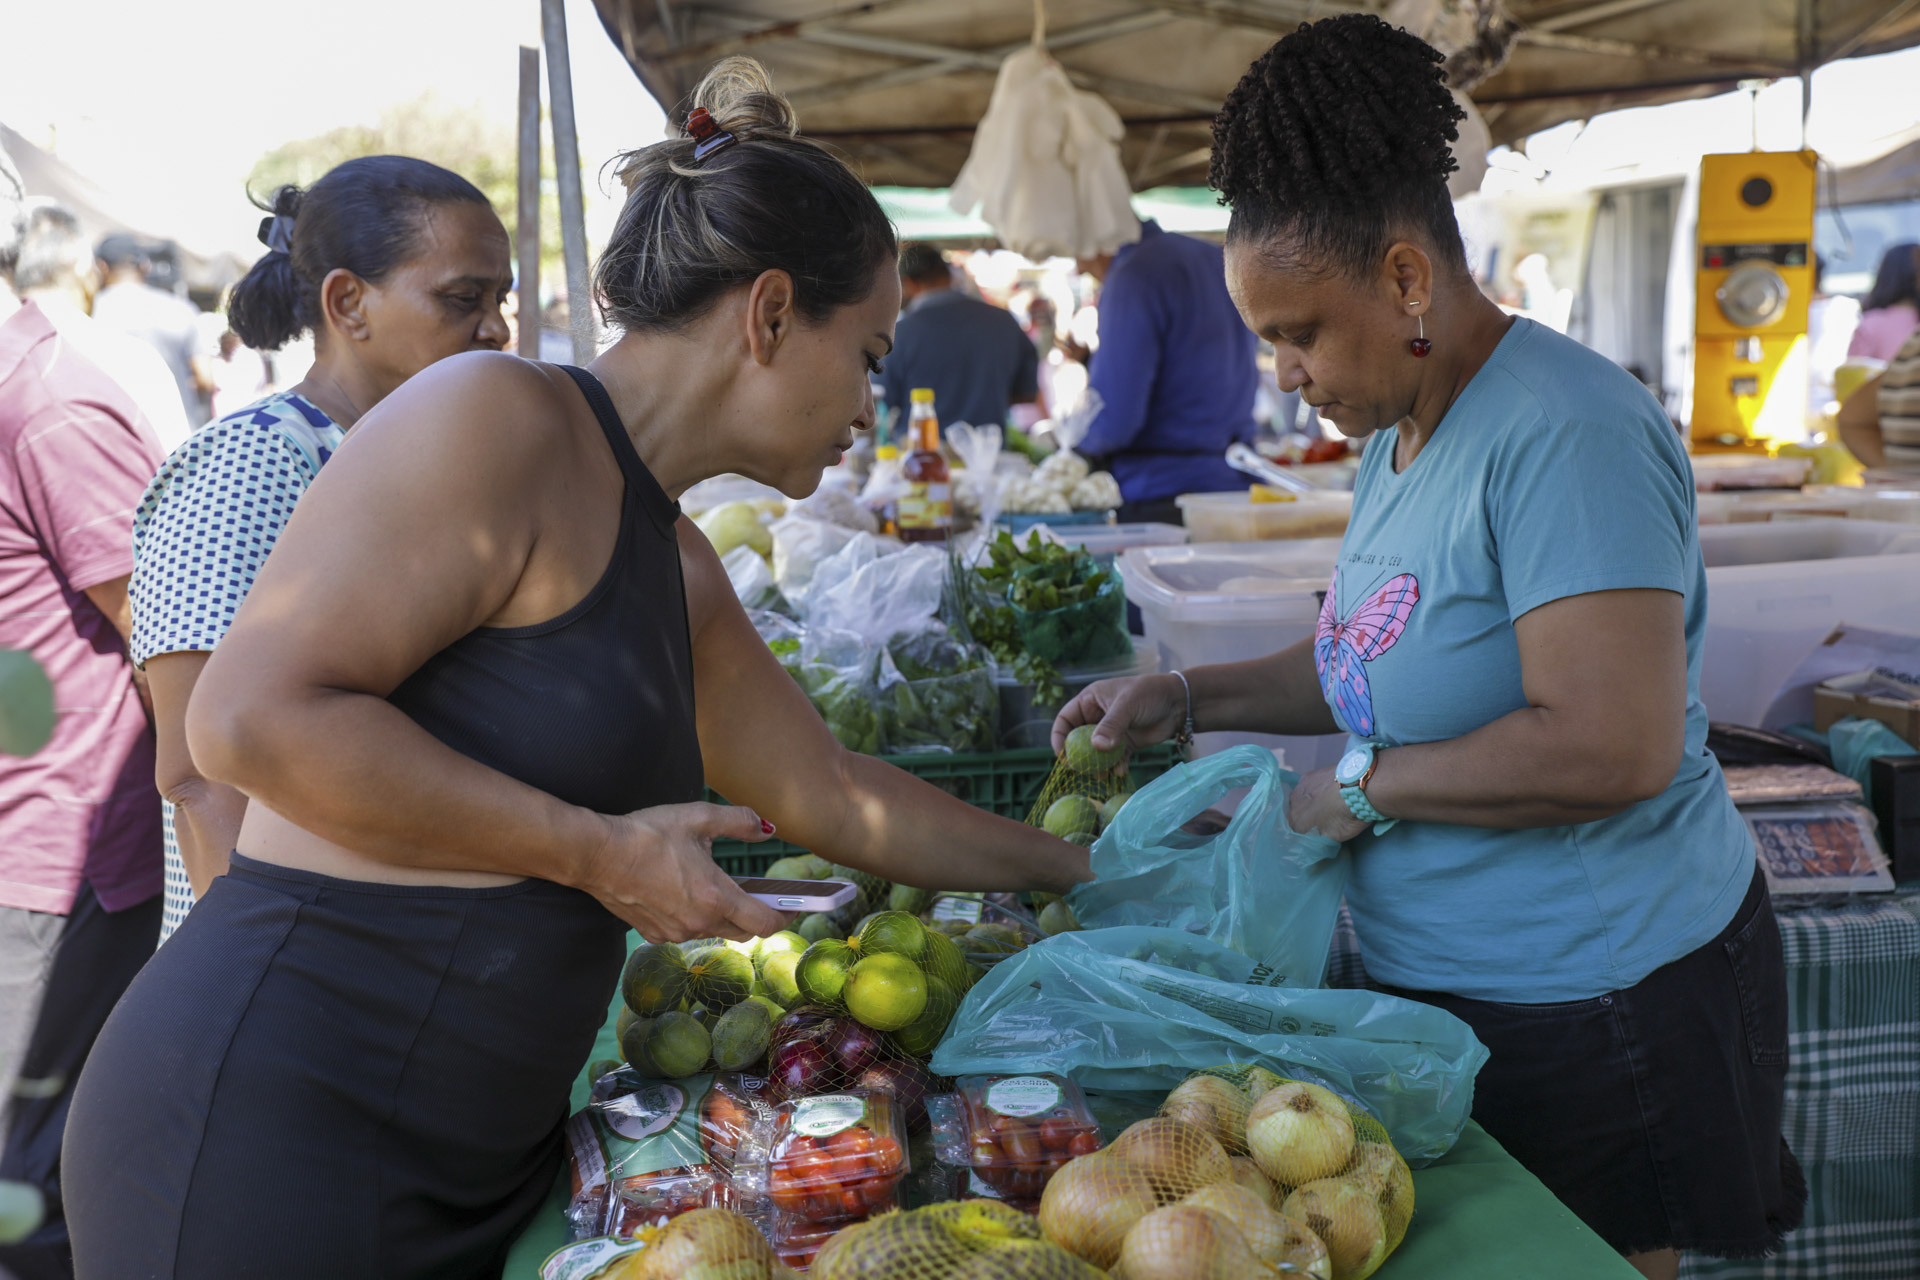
(974, 356)
(167, 323)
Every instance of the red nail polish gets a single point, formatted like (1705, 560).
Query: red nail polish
(766, 828)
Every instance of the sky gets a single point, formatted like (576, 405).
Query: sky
(175, 102)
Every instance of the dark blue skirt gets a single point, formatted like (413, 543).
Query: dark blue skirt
(317, 1079)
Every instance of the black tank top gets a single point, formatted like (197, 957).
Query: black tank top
(594, 706)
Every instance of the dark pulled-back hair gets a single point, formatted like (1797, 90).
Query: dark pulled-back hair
(366, 216)
(1897, 280)
(692, 229)
(1336, 143)
(921, 261)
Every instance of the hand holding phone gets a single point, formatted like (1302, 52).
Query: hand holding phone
(798, 895)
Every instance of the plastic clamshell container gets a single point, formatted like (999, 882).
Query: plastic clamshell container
(836, 1157)
(1236, 517)
(1775, 590)
(1748, 471)
(1014, 1132)
(1231, 601)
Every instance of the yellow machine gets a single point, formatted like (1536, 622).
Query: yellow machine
(1753, 279)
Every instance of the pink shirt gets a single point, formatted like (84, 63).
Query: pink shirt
(75, 455)
(1883, 331)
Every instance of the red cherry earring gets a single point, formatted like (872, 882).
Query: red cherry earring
(1421, 345)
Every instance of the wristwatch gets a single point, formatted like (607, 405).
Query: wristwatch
(1353, 773)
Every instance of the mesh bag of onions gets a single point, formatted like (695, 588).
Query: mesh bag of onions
(699, 1243)
(1242, 1174)
(959, 1240)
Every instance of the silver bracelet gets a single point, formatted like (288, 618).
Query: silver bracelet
(1185, 736)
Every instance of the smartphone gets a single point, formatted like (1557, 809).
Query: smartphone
(799, 895)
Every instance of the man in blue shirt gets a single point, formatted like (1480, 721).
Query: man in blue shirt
(975, 356)
(1174, 371)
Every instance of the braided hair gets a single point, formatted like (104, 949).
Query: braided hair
(1335, 144)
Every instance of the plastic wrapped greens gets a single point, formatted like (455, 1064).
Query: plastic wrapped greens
(937, 694)
(837, 671)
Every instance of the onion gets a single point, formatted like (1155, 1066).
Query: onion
(1299, 1133)
(1176, 1157)
(1379, 1168)
(1260, 1082)
(1184, 1243)
(1347, 1217)
(1264, 1229)
(1247, 1174)
(702, 1240)
(1091, 1204)
(1211, 1105)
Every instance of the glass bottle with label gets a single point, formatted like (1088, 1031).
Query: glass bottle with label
(886, 467)
(925, 513)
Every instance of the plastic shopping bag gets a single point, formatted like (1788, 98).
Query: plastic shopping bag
(1138, 1009)
(1257, 887)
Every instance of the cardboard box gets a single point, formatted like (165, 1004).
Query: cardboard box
(1870, 696)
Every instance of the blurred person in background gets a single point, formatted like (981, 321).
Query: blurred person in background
(1174, 371)
(79, 820)
(239, 375)
(1831, 320)
(168, 323)
(973, 354)
(391, 263)
(1890, 312)
(1880, 423)
(56, 271)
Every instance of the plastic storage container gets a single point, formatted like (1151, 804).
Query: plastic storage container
(1023, 724)
(1227, 602)
(1007, 1135)
(1112, 539)
(1774, 590)
(1748, 471)
(1830, 501)
(1236, 517)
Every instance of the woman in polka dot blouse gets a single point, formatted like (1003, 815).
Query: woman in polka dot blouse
(392, 263)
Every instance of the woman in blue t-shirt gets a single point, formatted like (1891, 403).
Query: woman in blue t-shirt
(1512, 637)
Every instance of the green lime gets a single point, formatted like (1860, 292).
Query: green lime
(920, 1036)
(1111, 806)
(1057, 917)
(817, 926)
(892, 933)
(1071, 816)
(944, 961)
(675, 1045)
(905, 897)
(655, 979)
(742, 1035)
(1083, 757)
(775, 944)
(800, 866)
(823, 971)
(720, 978)
(780, 976)
(886, 991)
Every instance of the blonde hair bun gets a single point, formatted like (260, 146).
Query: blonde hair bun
(739, 94)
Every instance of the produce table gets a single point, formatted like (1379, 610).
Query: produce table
(1477, 1216)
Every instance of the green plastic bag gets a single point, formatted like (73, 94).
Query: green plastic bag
(1076, 635)
(1257, 887)
(1137, 1008)
(1857, 742)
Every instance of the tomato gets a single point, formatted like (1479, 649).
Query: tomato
(854, 1141)
(822, 1207)
(877, 1193)
(1057, 1132)
(852, 1201)
(884, 1158)
(1022, 1145)
(1084, 1143)
(985, 1153)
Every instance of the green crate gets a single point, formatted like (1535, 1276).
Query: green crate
(1005, 782)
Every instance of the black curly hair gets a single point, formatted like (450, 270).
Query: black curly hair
(1335, 143)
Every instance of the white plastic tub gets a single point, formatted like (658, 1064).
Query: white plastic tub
(1112, 539)
(1236, 517)
(1829, 501)
(1775, 590)
(1231, 601)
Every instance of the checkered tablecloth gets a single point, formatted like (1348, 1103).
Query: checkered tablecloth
(1853, 1090)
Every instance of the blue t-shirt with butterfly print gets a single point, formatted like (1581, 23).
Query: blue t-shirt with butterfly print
(1554, 474)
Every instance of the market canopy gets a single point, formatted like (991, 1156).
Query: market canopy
(900, 84)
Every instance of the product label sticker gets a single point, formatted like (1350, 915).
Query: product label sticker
(645, 1112)
(1022, 1095)
(828, 1114)
(925, 506)
(967, 907)
(585, 1258)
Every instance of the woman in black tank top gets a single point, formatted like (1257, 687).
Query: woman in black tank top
(477, 690)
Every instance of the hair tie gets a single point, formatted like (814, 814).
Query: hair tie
(276, 232)
(708, 137)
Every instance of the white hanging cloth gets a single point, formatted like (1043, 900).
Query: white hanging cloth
(1045, 170)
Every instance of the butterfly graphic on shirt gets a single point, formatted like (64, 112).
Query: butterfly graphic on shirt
(1343, 646)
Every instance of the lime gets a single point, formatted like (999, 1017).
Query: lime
(886, 992)
(943, 960)
(742, 1035)
(1111, 806)
(775, 944)
(655, 979)
(675, 1045)
(814, 867)
(622, 1020)
(633, 1045)
(1057, 917)
(893, 933)
(1071, 816)
(801, 866)
(1083, 757)
(904, 897)
(773, 1009)
(920, 1036)
(720, 978)
(819, 925)
(823, 971)
(780, 977)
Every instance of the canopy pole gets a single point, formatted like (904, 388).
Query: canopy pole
(566, 162)
(527, 228)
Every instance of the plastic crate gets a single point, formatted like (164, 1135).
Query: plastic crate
(1003, 782)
